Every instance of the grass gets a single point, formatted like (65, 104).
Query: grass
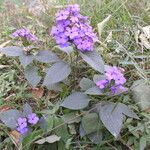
(127, 15)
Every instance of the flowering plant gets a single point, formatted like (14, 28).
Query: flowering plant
(73, 28)
(43, 68)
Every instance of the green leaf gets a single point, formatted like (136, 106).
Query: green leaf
(143, 141)
(49, 121)
(67, 50)
(61, 129)
(76, 101)
(10, 117)
(56, 73)
(90, 123)
(94, 60)
(112, 116)
(81, 131)
(126, 111)
(11, 51)
(68, 143)
(49, 139)
(141, 94)
(86, 83)
(27, 109)
(46, 56)
(61, 145)
(31, 74)
(55, 87)
(30, 138)
(25, 60)
(98, 77)
(94, 91)
(95, 137)
(68, 118)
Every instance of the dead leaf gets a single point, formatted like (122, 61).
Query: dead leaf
(3, 66)
(36, 7)
(50, 95)
(4, 108)
(4, 44)
(10, 97)
(144, 41)
(141, 94)
(102, 24)
(49, 139)
(146, 31)
(15, 135)
(147, 110)
(109, 37)
(143, 34)
(37, 93)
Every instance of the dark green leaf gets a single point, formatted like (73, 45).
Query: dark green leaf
(27, 109)
(49, 121)
(72, 118)
(90, 123)
(46, 56)
(67, 50)
(76, 101)
(10, 117)
(95, 137)
(143, 143)
(58, 72)
(111, 118)
(31, 74)
(94, 91)
(141, 93)
(55, 87)
(94, 60)
(25, 59)
(126, 111)
(11, 51)
(86, 83)
(27, 140)
(61, 129)
(81, 131)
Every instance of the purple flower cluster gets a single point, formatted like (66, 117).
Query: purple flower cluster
(25, 33)
(23, 122)
(115, 78)
(72, 27)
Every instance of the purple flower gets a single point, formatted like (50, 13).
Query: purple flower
(33, 119)
(71, 27)
(64, 23)
(120, 80)
(74, 8)
(25, 33)
(22, 130)
(112, 73)
(74, 19)
(71, 32)
(102, 83)
(61, 39)
(62, 15)
(56, 30)
(22, 122)
(114, 78)
(118, 89)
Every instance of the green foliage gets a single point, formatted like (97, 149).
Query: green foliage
(121, 49)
